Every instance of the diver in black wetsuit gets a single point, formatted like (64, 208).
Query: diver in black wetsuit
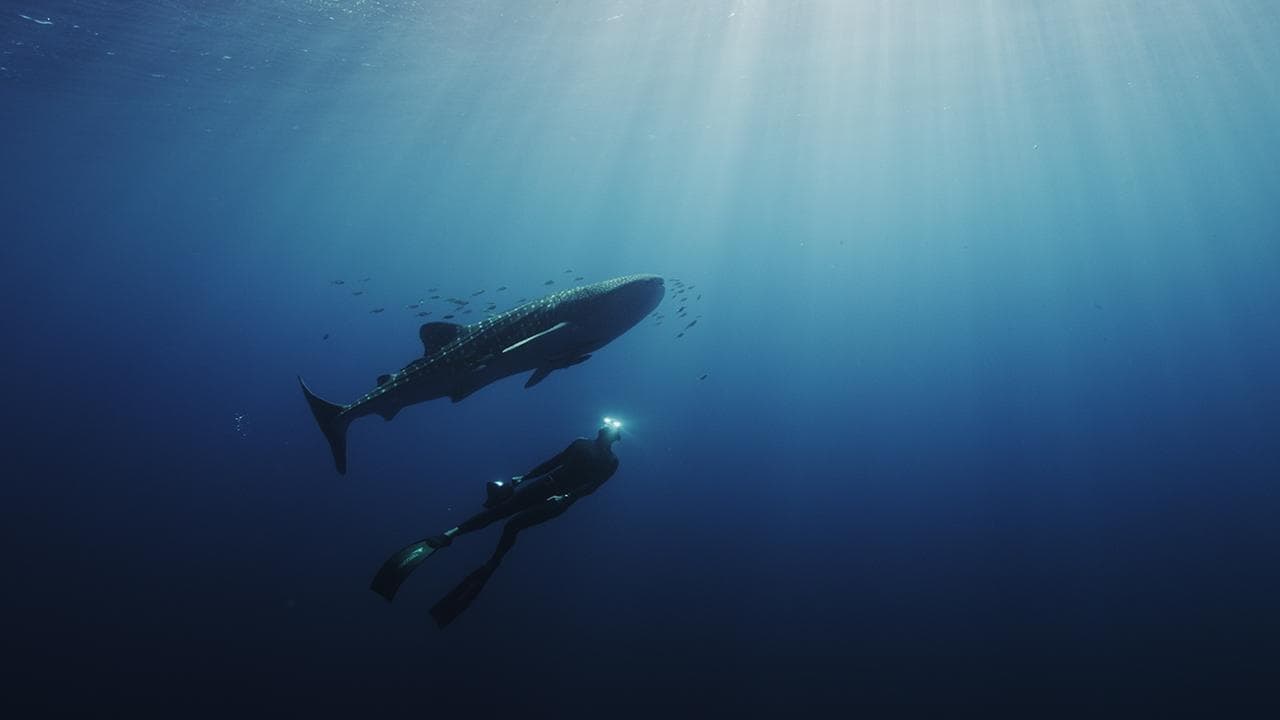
(537, 496)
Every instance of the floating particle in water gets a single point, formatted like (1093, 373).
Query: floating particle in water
(241, 424)
(703, 376)
(326, 336)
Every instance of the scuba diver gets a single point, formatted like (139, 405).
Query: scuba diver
(539, 495)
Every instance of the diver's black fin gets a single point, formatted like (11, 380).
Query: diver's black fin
(461, 597)
(333, 423)
(397, 567)
(436, 335)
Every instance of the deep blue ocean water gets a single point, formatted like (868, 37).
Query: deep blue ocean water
(988, 320)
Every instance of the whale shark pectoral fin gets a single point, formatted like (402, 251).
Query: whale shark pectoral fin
(435, 335)
(459, 393)
(538, 376)
(541, 373)
(389, 413)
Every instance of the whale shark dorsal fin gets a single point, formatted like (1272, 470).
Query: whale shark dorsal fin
(436, 335)
(382, 379)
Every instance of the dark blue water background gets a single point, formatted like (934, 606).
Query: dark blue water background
(988, 317)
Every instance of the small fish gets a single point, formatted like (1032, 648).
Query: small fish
(679, 334)
(413, 306)
(424, 313)
(449, 317)
(434, 297)
(520, 300)
(364, 279)
(339, 282)
(703, 376)
(326, 336)
(501, 288)
(699, 297)
(357, 292)
(691, 324)
(478, 292)
(549, 282)
(464, 312)
(568, 271)
(375, 311)
(432, 289)
(577, 279)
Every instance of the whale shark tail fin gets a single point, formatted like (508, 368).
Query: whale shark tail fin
(332, 423)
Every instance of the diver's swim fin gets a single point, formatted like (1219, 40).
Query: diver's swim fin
(398, 566)
(461, 597)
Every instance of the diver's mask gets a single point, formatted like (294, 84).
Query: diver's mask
(612, 429)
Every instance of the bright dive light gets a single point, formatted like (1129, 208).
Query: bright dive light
(615, 424)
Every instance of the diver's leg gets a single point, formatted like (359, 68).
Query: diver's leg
(407, 559)
(461, 597)
(546, 510)
(530, 496)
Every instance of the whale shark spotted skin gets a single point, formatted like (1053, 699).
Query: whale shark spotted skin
(544, 335)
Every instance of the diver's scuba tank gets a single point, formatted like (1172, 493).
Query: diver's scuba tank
(499, 491)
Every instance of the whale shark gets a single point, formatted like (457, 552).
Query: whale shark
(558, 331)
